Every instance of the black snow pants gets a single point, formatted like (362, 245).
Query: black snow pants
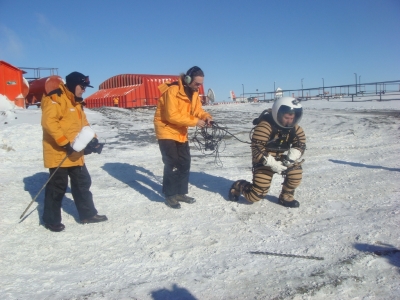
(56, 188)
(176, 159)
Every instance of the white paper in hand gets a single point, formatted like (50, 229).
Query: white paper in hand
(83, 138)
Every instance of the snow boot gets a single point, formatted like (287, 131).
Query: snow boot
(286, 199)
(185, 198)
(236, 190)
(95, 219)
(55, 227)
(172, 201)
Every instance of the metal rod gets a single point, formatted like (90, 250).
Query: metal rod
(43, 187)
(287, 255)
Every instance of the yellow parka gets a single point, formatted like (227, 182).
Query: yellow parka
(62, 120)
(176, 112)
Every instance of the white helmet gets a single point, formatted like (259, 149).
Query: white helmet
(286, 105)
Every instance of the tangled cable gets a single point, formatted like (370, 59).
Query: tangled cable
(210, 139)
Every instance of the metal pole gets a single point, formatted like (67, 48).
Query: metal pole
(302, 87)
(43, 187)
(356, 82)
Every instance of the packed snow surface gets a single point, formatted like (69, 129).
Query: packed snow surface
(341, 243)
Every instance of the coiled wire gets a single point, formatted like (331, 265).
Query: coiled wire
(209, 139)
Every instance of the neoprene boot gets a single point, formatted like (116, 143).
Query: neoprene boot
(286, 199)
(236, 189)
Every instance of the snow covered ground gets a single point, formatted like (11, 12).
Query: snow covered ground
(342, 243)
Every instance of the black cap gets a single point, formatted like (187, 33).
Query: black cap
(75, 78)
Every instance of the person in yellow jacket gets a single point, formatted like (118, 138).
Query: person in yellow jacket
(63, 118)
(178, 108)
(116, 101)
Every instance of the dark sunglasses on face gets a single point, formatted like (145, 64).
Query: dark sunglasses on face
(82, 87)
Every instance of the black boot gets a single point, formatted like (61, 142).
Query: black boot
(172, 201)
(236, 190)
(55, 227)
(286, 199)
(185, 198)
(292, 204)
(94, 219)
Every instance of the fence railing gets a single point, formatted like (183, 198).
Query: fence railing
(338, 91)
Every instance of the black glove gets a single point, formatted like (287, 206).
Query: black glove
(94, 142)
(68, 149)
(93, 146)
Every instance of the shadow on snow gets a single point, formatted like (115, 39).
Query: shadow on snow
(138, 178)
(176, 293)
(390, 252)
(33, 184)
(363, 165)
(145, 182)
(220, 185)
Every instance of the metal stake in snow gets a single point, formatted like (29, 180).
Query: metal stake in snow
(286, 255)
(34, 199)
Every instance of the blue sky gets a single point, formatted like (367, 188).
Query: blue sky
(253, 43)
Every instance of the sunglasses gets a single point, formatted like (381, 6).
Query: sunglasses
(82, 87)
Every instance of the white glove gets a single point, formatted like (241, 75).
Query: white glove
(83, 138)
(275, 165)
(293, 154)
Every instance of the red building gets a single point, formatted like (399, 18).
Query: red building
(12, 84)
(130, 91)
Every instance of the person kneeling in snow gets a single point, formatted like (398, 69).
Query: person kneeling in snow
(62, 120)
(275, 133)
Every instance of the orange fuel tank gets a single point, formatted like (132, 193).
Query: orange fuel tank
(40, 87)
(25, 87)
